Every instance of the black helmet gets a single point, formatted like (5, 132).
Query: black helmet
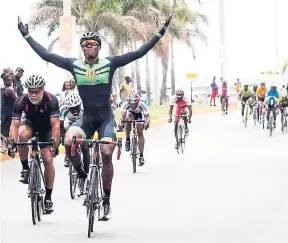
(91, 36)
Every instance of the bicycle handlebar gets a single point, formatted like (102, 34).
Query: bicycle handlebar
(137, 121)
(32, 142)
(94, 142)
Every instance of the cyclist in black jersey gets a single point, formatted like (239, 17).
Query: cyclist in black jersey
(94, 80)
(41, 115)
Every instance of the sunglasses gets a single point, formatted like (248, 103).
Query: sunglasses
(86, 43)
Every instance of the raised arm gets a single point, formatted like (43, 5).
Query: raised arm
(41, 51)
(119, 61)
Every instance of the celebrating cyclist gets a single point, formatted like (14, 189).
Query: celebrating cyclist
(41, 111)
(70, 112)
(245, 95)
(94, 80)
(182, 105)
(135, 109)
(271, 103)
(224, 95)
(260, 96)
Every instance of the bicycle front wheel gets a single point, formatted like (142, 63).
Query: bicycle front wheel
(91, 203)
(73, 176)
(33, 184)
(134, 153)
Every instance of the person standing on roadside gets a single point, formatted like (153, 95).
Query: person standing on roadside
(73, 86)
(8, 97)
(125, 88)
(17, 84)
(214, 91)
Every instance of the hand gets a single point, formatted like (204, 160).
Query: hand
(165, 25)
(54, 151)
(170, 119)
(12, 152)
(189, 119)
(146, 126)
(23, 28)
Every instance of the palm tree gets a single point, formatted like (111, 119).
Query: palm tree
(183, 27)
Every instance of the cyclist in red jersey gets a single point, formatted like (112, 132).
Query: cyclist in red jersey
(224, 94)
(182, 105)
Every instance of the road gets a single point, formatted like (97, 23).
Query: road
(231, 185)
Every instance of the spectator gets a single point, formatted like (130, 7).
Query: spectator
(17, 84)
(66, 88)
(125, 88)
(214, 92)
(8, 97)
(73, 85)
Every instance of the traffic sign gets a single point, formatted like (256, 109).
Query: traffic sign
(191, 75)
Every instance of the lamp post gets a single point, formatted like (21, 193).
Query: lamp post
(222, 51)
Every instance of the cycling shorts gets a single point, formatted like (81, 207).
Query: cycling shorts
(44, 135)
(136, 116)
(87, 126)
(261, 99)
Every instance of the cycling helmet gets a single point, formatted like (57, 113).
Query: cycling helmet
(91, 36)
(133, 98)
(179, 92)
(262, 83)
(72, 99)
(34, 82)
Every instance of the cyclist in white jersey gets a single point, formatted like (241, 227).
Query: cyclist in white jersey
(135, 109)
(70, 112)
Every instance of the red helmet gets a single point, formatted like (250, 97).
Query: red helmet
(179, 92)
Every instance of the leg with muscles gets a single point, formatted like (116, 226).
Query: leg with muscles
(175, 131)
(141, 141)
(25, 133)
(128, 127)
(106, 132)
(227, 105)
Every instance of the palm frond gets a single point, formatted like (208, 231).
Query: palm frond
(197, 34)
(284, 67)
(46, 15)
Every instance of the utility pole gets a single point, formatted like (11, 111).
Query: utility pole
(276, 34)
(222, 50)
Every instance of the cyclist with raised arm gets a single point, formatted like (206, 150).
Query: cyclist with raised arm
(70, 112)
(135, 109)
(41, 115)
(94, 80)
(183, 106)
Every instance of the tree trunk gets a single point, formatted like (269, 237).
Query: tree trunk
(121, 70)
(148, 85)
(137, 65)
(156, 78)
(133, 76)
(172, 69)
(163, 91)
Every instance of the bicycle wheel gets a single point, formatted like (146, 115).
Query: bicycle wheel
(73, 177)
(255, 116)
(33, 190)
(134, 153)
(91, 195)
(179, 140)
(182, 139)
(223, 107)
(246, 116)
(40, 199)
(270, 127)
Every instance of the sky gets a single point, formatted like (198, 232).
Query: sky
(250, 43)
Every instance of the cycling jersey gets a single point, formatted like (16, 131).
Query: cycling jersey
(271, 101)
(245, 94)
(181, 104)
(37, 117)
(94, 85)
(224, 91)
(283, 101)
(141, 108)
(273, 94)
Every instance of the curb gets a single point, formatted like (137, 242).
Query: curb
(5, 157)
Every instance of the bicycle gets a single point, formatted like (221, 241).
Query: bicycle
(271, 122)
(94, 194)
(284, 128)
(246, 112)
(181, 134)
(223, 106)
(36, 186)
(134, 142)
(255, 113)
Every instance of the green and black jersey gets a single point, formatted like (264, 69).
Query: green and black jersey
(94, 82)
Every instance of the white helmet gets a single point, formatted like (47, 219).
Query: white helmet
(34, 82)
(72, 99)
(133, 98)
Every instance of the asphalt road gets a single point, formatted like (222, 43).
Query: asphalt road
(230, 185)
